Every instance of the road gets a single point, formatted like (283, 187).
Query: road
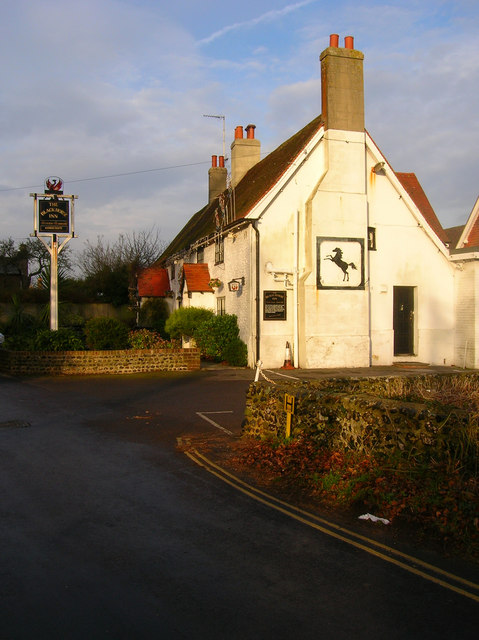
(108, 530)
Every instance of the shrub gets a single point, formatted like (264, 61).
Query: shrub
(65, 339)
(236, 353)
(218, 339)
(19, 342)
(106, 333)
(186, 320)
(146, 339)
(19, 321)
(153, 315)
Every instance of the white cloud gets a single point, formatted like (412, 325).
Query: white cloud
(269, 16)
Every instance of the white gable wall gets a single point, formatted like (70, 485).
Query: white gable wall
(334, 194)
(407, 254)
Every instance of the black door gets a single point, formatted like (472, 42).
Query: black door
(403, 321)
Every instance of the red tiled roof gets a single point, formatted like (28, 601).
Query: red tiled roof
(197, 277)
(153, 282)
(410, 182)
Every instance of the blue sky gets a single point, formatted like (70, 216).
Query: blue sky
(103, 88)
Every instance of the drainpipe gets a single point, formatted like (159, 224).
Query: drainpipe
(258, 297)
(368, 254)
(295, 293)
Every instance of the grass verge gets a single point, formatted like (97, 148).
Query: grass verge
(440, 500)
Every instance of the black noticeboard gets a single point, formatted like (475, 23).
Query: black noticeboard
(274, 305)
(54, 216)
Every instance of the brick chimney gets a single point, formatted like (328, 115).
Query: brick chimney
(342, 86)
(245, 153)
(216, 178)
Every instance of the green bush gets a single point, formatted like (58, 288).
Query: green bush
(218, 339)
(186, 320)
(65, 339)
(153, 315)
(235, 353)
(20, 322)
(106, 333)
(19, 341)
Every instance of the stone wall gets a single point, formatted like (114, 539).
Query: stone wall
(375, 415)
(22, 363)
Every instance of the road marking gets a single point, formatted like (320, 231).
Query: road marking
(203, 415)
(341, 533)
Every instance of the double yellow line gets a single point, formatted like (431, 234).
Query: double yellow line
(404, 561)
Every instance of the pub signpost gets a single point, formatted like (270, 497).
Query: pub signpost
(53, 224)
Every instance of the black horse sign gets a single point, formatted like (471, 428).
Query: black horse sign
(340, 263)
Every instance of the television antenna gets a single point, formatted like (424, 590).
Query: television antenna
(224, 121)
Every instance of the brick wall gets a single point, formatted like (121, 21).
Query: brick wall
(98, 362)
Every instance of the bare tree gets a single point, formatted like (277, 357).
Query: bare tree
(35, 254)
(136, 251)
(112, 268)
(39, 259)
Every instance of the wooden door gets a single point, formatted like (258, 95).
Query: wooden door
(403, 321)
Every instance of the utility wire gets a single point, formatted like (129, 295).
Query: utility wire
(113, 175)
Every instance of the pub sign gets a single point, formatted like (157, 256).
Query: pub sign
(54, 215)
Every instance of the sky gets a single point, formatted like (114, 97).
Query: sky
(110, 95)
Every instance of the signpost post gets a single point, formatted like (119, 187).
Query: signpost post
(53, 217)
(289, 408)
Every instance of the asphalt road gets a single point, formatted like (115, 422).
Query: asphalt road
(107, 530)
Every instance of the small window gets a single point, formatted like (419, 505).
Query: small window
(200, 255)
(371, 239)
(172, 271)
(219, 250)
(220, 306)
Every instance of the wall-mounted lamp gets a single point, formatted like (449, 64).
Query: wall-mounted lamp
(236, 284)
(379, 167)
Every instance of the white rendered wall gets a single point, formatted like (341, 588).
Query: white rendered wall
(407, 255)
(334, 328)
(237, 265)
(467, 316)
(283, 217)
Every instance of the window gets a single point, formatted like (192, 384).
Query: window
(200, 254)
(172, 271)
(219, 250)
(220, 306)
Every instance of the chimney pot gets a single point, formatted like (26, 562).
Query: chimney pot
(222, 161)
(250, 131)
(238, 132)
(334, 40)
(349, 42)
(214, 161)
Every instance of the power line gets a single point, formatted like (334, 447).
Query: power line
(113, 175)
